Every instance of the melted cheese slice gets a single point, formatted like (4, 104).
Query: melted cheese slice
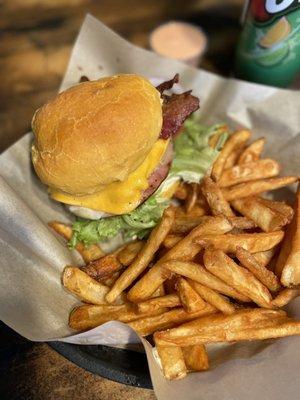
(119, 197)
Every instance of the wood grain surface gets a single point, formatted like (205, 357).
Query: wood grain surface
(36, 40)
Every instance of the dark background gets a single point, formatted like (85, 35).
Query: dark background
(36, 38)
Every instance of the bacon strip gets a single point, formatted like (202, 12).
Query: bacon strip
(176, 108)
(168, 84)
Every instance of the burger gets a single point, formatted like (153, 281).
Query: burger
(113, 151)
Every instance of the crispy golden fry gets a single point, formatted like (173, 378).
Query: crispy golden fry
(256, 187)
(260, 169)
(185, 224)
(197, 211)
(89, 316)
(214, 197)
(160, 291)
(91, 253)
(265, 276)
(253, 242)
(190, 299)
(129, 252)
(280, 207)
(236, 140)
(185, 249)
(110, 280)
(288, 262)
(233, 157)
(199, 274)
(215, 327)
(181, 191)
(222, 266)
(212, 297)
(172, 362)
(85, 287)
(169, 300)
(265, 217)
(146, 326)
(196, 358)
(264, 257)
(191, 199)
(285, 296)
(242, 223)
(142, 260)
(103, 267)
(171, 240)
(272, 329)
(252, 152)
(147, 285)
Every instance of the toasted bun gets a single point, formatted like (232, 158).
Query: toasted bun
(96, 133)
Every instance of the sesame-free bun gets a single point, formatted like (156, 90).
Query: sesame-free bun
(96, 133)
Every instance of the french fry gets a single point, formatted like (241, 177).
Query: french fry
(288, 328)
(146, 286)
(89, 316)
(215, 327)
(85, 287)
(197, 211)
(185, 224)
(260, 169)
(264, 257)
(265, 276)
(146, 326)
(242, 223)
(191, 197)
(142, 260)
(172, 362)
(103, 267)
(288, 262)
(171, 240)
(181, 191)
(222, 266)
(189, 297)
(196, 358)
(129, 252)
(110, 280)
(233, 157)
(280, 207)
(236, 140)
(285, 296)
(253, 188)
(252, 152)
(212, 297)
(160, 291)
(199, 274)
(169, 301)
(253, 242)
(185, 249)
(215, 198)
(90, 253)
(265, 217)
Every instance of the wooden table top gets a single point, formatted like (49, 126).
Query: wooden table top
(36, 39)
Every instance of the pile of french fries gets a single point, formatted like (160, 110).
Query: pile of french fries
(218, 267)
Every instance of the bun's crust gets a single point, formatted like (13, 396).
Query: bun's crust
(96, 133)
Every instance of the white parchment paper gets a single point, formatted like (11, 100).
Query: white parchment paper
(32, 299)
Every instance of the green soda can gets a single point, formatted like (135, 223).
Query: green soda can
(268, 50)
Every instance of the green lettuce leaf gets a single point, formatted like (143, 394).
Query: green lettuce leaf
(193, 157)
